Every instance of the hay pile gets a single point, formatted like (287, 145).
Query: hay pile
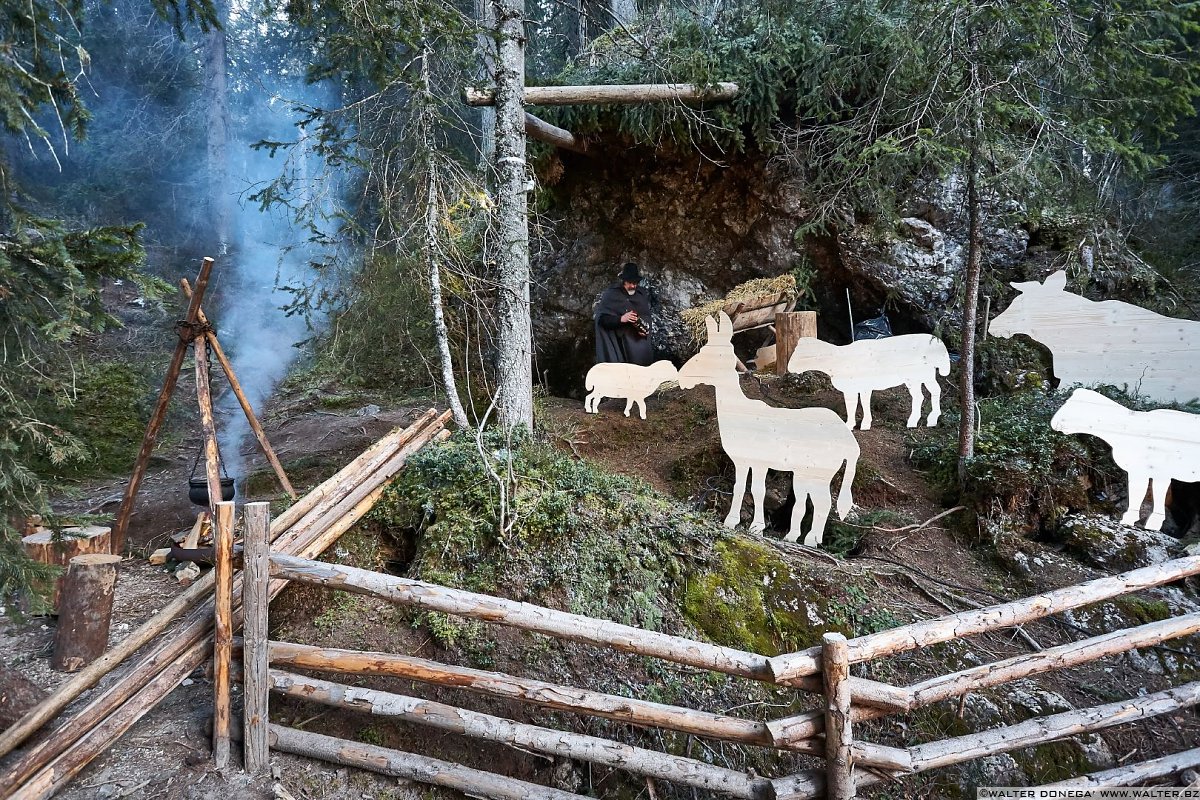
(693, 318)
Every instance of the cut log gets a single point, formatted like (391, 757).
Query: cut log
(790, 327)
(470, 782)
(255, 660)
(524, 616)
(86, 611)
(212, 457)
(325, 519)
(222, 631)
(839, 760)
(1134, 774)
(611, 95)
(1002, 615)
(530, 737)
(536, 128)
(58, 549)
(539, 693)
(159, 414)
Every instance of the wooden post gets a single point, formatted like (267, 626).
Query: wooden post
(212, 457)
(256, 690)
(839, 766)
(121, 526)
(790, 327)
(223, 632)
(87, 601)
(44, 547)
(240, 394)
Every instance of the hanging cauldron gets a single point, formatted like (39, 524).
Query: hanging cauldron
(198, 490)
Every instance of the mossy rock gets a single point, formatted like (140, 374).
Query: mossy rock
(1103, 542)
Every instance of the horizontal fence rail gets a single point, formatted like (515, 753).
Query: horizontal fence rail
(828, 732)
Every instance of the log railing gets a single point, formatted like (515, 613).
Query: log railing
(829, 732)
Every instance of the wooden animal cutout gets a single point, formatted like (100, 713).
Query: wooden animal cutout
(862, 367)
(811, 443)
(630, 381)
(1107, 342)
(1152, 446)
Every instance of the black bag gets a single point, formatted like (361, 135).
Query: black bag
(877, 328)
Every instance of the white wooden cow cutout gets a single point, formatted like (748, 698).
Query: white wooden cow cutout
(860, 368)
(631, 382)
(811, 443)
(1107, 342)
(1152, 446)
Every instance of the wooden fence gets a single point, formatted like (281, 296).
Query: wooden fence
(849, 762)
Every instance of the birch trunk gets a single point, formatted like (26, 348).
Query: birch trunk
(514, 363)
(966, 425)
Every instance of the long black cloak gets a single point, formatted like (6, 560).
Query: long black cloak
(620, 341)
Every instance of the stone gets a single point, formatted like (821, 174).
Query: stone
(1103, 542)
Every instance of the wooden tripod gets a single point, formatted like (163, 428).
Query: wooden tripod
(194, 330)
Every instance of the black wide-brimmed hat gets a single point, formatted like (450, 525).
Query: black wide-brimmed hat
(630, 274)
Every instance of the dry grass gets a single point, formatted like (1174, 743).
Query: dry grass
(694, 317)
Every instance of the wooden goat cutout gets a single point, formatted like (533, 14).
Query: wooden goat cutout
(1107, 342)
(1152, 446)
(632, 382)
(811, 443)
(860, 368)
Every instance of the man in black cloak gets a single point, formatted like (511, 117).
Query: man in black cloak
(623, 321)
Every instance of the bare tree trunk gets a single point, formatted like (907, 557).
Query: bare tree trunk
(623, 11)
(966, 425)
(217, 131)
(514, 358)
(431, 250)
(486, 16)
(579, 34)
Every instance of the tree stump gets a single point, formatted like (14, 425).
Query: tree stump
(41, 546)
(790, 327)
(86, 611)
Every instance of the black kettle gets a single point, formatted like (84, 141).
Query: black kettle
(198, 490)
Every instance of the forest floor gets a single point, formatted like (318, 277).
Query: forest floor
(926, 569)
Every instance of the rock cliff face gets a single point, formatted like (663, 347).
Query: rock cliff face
(699, 227)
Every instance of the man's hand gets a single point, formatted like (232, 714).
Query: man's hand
(629, 316)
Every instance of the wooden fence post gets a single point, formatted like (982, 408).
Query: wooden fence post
(256, 570)
(835, 674)
(223, 630)
(790, 327)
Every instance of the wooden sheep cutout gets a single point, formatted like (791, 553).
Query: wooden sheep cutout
(1107, 342)
(1152, 446)
(811, 443)
(860, 368)
(632, 382)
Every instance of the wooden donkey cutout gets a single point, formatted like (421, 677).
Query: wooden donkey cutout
(1152, 446)
(811, 443)
(860, 368)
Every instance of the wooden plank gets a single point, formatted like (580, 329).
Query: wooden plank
(1107, 342)
(1047, 729)
(121, 526)
(534, 692)
(839, 760)
(524, 616)
(861, 368)
(610, 95)
(256, 570)
(222, 630)
(996, 617)
(811, 443)
(409, 766)
(1153, 447)
(557, 743)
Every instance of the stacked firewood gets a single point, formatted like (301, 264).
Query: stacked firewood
(180, 637)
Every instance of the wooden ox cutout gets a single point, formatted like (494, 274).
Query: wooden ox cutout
(631, 382)
(1152, 446)
(811, 443)
(1107, 342)
(862, 367)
